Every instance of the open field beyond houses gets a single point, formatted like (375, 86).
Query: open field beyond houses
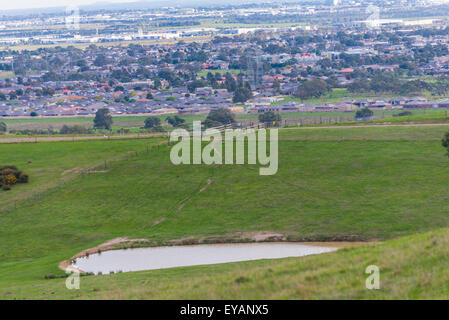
(386, 186)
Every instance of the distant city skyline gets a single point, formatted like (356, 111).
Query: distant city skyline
(33, 4)
(30, 4)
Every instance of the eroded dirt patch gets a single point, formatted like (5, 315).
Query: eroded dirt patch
(156, 222)
(265, 236)
(74, 170)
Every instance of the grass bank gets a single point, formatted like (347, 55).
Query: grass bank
(413, 267)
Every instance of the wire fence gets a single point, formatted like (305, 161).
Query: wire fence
(298, 121)
(101, 166)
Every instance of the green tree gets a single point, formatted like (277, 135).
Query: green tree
(175, 121)
(277, 86)
(191, 86)
(103, 119)
(230, 82)
(152, 122)
(269, 117)
(100, 61)
(48, 92)
(157, 83)
(312, 89)
(219, 117)
(3, 127)
(364, 113)
(242, 94)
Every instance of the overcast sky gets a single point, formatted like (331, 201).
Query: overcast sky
(27, 4)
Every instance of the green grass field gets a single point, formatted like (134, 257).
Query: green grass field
(335, 95)
(203, 73)
(332, 184)
(342, 94)
(136, 123)
(382, 118)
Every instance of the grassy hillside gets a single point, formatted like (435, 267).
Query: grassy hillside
(348, 183)
(49, 164)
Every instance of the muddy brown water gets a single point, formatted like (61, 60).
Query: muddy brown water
(126, 260)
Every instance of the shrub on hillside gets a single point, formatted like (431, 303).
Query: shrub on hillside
(75, 129)
(10, 179)
(156, 129)
(123, 130)
(403, 114)
(10, 175)
(445, 142)
(26, 132)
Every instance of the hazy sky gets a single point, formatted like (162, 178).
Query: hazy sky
(27, 4)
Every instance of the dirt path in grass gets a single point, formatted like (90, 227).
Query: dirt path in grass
(78, 138)
(371, 126)
(209, 181)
